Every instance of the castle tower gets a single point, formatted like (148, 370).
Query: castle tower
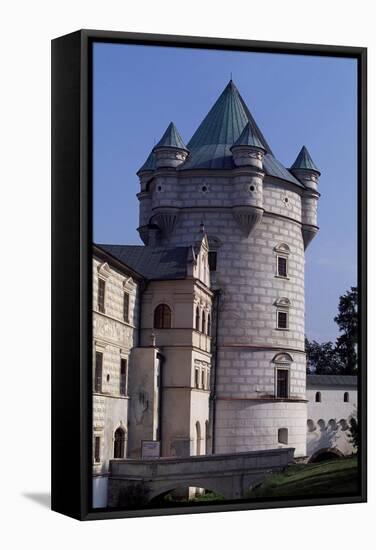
(259, 217)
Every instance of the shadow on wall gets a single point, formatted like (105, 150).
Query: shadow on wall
(327, 435)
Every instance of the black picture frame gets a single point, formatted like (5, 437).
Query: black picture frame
(71, 266)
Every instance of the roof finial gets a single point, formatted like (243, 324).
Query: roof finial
(231, 77)
(202, 226)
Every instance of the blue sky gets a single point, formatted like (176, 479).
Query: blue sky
(295, 100)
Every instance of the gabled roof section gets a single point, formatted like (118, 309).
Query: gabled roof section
(304, 161)
(248, 137)
(171, 138)
(155, 264)
(314, 380)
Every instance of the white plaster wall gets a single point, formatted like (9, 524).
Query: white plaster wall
(323, 434)
(246, 425)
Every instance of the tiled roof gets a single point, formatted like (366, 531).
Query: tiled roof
(171, 138)
(248, 137)
(210, 145)
(314, 380)
(304, 161)
(153, 263)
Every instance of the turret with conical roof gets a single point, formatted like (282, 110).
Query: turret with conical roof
(305, 170)
(170, 150)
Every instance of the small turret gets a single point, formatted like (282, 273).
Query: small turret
(248, 154)
(305, 170)
(248, 149)
(170, 151)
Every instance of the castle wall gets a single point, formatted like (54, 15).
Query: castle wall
(114, 338)
(248, 337)
(329, 420)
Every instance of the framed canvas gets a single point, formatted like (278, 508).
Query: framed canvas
(209, 275)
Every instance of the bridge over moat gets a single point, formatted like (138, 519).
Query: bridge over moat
(230, 475)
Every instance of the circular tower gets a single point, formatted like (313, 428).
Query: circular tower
(259, 217)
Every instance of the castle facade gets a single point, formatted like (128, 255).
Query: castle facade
(199, 334)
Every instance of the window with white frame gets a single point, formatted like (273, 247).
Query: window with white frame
(282, 362)
(282, 313)
(282, 255)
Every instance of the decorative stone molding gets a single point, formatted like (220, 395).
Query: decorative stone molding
(282, 249)
(282, 303)
(282, 359)
(166, 220)
(104, 271)
(308, 232)
(129, 285)
(247, 217)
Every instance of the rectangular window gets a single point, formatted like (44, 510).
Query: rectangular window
(197, 378)
(123, 376)
(98, 372)
(202, 379)
(208, 380)
(212, 260)
(282, 383)
(282, 319)
(101, 295)
(97, 449)
(282, 266)
(126, 307)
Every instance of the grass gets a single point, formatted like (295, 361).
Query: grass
(333, 477)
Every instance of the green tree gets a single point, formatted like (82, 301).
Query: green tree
(341, 357)
(322, 358)
(354, 432)
(347, 321)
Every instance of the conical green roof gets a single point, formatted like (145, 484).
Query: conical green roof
(210, 146)
(248, 137)
(171, 138)
(304, 161)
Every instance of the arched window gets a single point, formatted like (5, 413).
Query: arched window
(119, 443)
(198, 438)
(346, 397)
(283, 436)
(203, 322)
(197, 321)
(162, 316)
(318, 397)
(209, 325)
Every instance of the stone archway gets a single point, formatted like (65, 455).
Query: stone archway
(329, 453)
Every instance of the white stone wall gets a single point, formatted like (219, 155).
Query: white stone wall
(114, 338)
(248, 336)
(248, 425)
(328, 421)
